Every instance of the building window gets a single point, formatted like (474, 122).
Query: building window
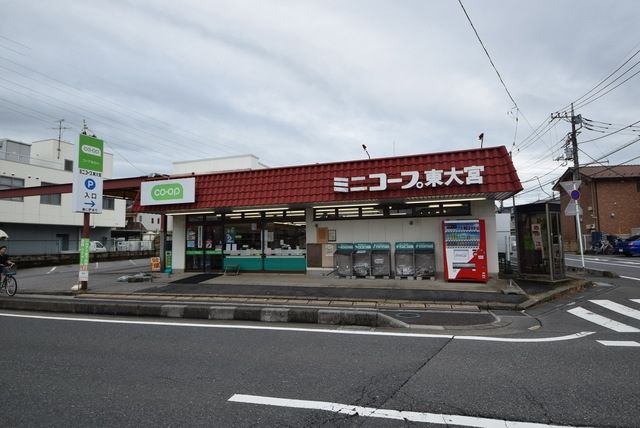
(11, 183)
(284, 237)
(53, 199)
(436, 209)
(108, 203)
(68, 165)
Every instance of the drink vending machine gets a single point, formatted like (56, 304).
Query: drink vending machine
(465, 250)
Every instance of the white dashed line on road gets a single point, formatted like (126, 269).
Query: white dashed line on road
(625, 343)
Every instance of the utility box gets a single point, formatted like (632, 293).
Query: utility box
(381, 259)
(343, 259)
(425, 259)
(404, 259)
(362, 259)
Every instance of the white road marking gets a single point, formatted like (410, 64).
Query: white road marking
(372, 412)
(617, 262)
(617, 307)
(132, 262)
(306, 330)
(630, 277)
(603, 321)
(629, 343)
(52, 269)
(635, 300)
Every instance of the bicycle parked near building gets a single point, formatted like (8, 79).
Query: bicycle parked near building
(9, 282)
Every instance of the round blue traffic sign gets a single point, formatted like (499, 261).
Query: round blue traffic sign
(90, 183)
(575, 195)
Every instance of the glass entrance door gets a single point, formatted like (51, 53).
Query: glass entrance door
(194, 251)
(213, 247)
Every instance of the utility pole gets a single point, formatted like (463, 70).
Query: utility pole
(574, 145)
(576, 169)
(60, 128)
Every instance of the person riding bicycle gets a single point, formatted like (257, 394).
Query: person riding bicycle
(4, 259)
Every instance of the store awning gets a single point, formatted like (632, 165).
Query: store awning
(475, 173)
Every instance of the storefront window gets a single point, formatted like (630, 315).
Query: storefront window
(242, 238)
(436, 209)
(285, 238)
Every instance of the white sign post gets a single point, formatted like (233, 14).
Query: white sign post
(573, 209)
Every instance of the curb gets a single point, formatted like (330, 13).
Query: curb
(553, 294)
(199, 311)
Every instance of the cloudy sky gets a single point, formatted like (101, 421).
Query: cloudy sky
(297, 82)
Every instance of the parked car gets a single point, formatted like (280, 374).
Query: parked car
(97, 247)
(631, 246)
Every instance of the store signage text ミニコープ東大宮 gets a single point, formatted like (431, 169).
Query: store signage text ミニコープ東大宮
(410, 179)
(164, 192)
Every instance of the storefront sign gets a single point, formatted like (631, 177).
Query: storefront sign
(410, 179)
(405, 246)
(381, 246)
(165, 192)
(87, 175)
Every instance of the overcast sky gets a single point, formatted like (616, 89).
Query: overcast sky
(298, 82)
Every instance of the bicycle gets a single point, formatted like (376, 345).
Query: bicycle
(8, 282)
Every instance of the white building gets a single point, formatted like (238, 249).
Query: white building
(46, 224)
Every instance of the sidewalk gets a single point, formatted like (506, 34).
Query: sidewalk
(270, 297)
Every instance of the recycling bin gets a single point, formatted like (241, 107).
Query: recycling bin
(381, 259)
(425, 259)
(343, 259)
(362, 259)
(404, 259)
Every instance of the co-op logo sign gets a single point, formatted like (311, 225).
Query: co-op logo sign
(164, 192)
(168, 192)
(90, 150)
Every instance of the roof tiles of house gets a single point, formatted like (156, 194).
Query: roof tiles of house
(311, 184)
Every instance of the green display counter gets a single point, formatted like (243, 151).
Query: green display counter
(285, 263)
(245, 263)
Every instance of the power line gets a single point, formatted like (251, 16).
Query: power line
(487, 53)
(587, 102)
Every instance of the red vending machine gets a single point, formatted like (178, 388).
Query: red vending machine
(465, 250)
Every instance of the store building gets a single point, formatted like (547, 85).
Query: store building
(269, 219)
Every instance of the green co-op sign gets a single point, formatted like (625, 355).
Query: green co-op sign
(90, 155)
(87, 175)
(165, 192)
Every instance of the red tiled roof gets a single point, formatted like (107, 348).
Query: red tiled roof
(311, 184)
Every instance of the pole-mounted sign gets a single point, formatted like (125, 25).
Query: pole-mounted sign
(87, 175)
(573, 209)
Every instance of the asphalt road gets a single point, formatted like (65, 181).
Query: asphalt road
(75, 372)
(623, 266)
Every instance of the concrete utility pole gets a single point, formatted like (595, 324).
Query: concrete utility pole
(576, 169)
(574, 145)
